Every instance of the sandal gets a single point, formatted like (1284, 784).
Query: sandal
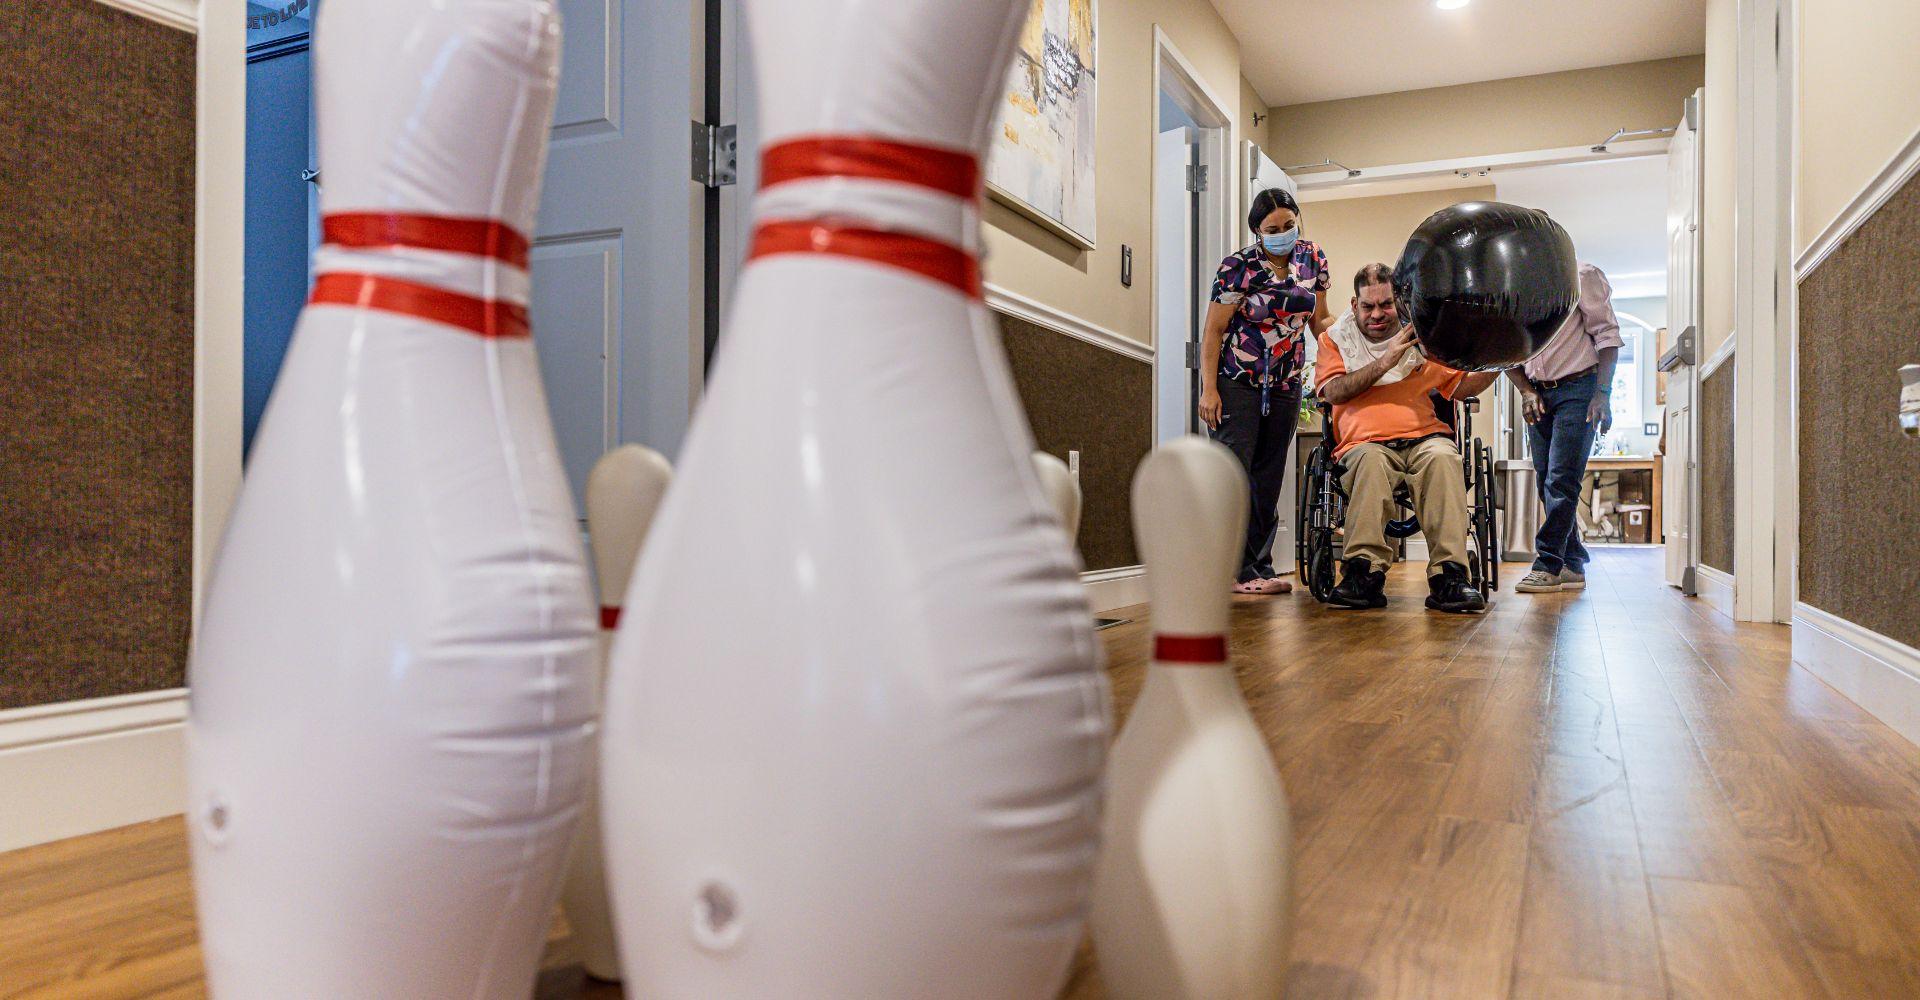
(1263, 585)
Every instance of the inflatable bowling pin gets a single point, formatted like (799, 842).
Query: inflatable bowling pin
(1190, 897)
(1062, 489)
(855, 715)
(391, 719)
(623, 492)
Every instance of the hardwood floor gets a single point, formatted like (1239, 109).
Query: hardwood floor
(1615, 793)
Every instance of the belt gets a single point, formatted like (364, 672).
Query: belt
(1402, 444)
(1549, 383)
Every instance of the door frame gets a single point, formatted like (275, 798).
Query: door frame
(1174, 75)
(1765, 402)
(219, 253)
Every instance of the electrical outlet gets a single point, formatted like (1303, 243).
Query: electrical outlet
(1073, 464)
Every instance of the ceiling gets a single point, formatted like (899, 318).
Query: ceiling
(1295, 51)
(1615, 210)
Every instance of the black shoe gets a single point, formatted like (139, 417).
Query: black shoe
(1361, 586)
(1449, 591)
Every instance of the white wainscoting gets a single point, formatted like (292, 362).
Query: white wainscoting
(1877, 673)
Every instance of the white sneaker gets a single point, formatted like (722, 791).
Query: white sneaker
(1538, 582)
(1570, 580)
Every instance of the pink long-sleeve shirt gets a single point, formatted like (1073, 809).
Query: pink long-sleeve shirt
(1589, 329)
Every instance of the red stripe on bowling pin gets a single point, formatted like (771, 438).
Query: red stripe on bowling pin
(1198, 650)
(866, 158)
(373, 230)
(486, 317)
(933, 259)
(609, 617)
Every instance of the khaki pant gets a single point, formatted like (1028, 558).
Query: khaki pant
(1432, 470)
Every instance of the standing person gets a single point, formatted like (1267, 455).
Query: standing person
(1566, 396)
(1267, 299)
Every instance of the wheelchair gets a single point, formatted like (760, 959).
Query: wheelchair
(1318, 538)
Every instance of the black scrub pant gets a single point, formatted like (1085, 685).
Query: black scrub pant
(1260, 442)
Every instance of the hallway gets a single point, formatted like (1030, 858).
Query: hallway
(1616, 793)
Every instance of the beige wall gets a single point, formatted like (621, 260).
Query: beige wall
(1718, 139)
(1357, 231)
(1577, 108)
(1859, 72)
(1026, 259)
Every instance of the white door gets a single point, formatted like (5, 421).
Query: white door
(1173, 276)
(614, 305)
(1681, 469)
(1263, 173)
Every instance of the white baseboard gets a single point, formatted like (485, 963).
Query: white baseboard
(1716, 588)
(1877, 673)
(84, 766)
(1115, 588)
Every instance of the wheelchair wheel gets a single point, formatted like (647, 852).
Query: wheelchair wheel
(1319, 517)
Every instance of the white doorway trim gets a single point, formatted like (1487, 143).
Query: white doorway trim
(1766, 445)
(219, 258)
(1175, 76)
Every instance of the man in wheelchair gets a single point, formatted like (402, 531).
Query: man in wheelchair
(1388, 432)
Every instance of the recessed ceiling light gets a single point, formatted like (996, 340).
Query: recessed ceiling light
(1450, 4)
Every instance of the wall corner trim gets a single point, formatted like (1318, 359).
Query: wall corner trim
(79, 767)
(1879, 674)
(1716, 588)
(1884, 185)
(1040, 314)
(1115, 588)
(181, 14)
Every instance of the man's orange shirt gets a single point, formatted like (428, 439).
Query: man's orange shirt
(1385, 412)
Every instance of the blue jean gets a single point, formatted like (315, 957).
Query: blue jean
(1561, 440)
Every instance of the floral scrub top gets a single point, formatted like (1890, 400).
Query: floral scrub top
(1266, 338)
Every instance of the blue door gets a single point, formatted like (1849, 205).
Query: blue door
(281, 225)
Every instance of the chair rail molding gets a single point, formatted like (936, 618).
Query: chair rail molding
(1011, 303)
(181, 14)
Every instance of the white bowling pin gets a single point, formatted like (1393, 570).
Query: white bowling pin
(855, 717)
(392, 687)
(623, 492)
(1190, 897)
(1062, 489)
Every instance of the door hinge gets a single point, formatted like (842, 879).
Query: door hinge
(715, 154)
(1193, 355)
(1197, 178)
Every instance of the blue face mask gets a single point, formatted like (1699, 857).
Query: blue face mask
(1280, 244)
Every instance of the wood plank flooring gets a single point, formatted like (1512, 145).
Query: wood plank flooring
(1615, 793)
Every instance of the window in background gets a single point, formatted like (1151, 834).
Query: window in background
(1626, 378)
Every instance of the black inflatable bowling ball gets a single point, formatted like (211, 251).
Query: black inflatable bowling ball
(1486, 285)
